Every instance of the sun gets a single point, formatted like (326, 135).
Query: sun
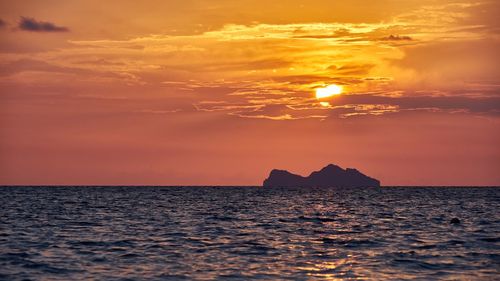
(328, 91)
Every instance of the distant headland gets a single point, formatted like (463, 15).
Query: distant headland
(329, 176)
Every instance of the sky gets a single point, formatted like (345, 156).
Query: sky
(191, 92)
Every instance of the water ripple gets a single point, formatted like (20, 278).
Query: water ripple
(229, 233)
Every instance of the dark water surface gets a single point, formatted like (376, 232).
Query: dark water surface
(241, 233)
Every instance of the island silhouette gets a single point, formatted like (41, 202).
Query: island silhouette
(330, 176)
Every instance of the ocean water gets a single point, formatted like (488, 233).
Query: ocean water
(248, 233)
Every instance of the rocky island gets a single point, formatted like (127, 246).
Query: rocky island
(329, 176)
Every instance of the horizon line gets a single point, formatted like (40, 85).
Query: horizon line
(244, 186)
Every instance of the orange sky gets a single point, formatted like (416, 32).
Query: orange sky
(220, 92)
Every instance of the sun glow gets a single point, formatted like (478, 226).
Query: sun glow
(328, 91)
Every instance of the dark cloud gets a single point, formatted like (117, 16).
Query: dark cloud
(396, 38)
(30, 24)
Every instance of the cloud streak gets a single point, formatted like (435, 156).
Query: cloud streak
(186, 92)
(271, 71)
(396, 38)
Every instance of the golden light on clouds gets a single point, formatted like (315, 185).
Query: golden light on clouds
(328, 91)
(182, 74)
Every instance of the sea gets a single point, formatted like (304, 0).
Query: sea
(249, 233)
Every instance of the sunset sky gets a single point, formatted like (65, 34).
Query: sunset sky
(191, 92)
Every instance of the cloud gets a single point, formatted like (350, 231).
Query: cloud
(30, 24)
(296, 104)
(455, 102)
(14, 67)
(354, 69)
(272, 70)
(396, 38)
(275, 112)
